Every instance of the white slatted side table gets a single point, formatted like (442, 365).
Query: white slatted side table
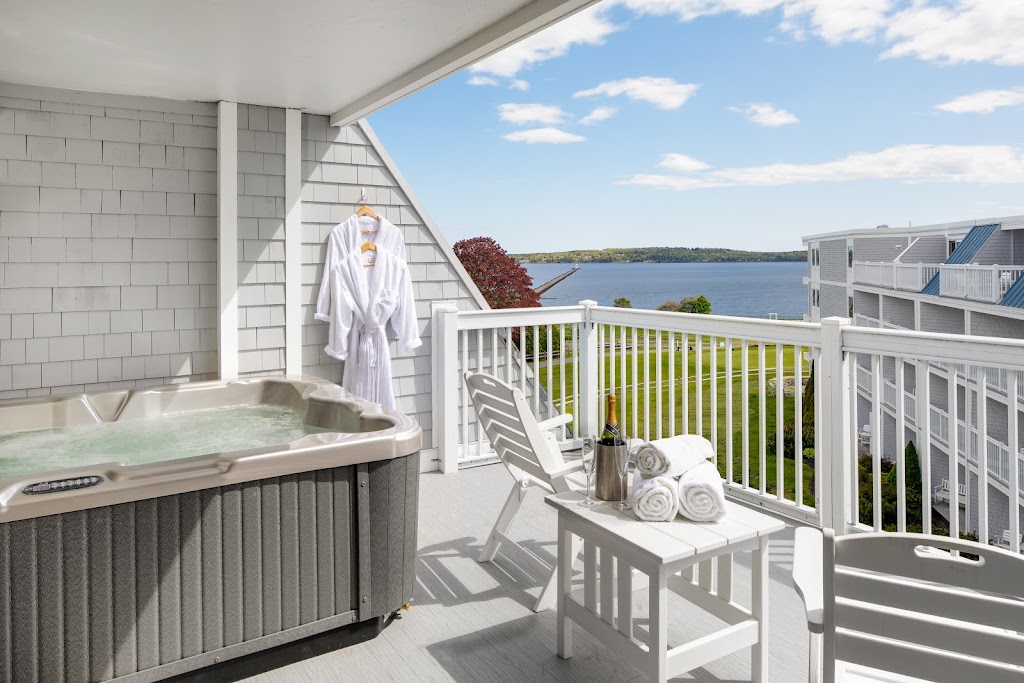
(692, 560)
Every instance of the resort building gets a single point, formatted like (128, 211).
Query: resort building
(959, 278)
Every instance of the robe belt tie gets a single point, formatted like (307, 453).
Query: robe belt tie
(367, 340)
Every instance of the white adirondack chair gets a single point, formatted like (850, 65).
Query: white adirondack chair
(530, 452)
(900, 607)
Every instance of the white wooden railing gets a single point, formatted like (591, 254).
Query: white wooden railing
(979, 283)
(905, 276)
(720, 377)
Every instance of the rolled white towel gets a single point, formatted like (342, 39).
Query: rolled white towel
(655, 499)
(701, 494)
(671, 457)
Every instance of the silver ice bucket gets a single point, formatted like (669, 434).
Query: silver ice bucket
(606, 472)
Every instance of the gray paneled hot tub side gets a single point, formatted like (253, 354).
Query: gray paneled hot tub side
(199, 560)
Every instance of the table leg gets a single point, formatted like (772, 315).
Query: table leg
(565, 559)
(658, 644)
(759, 610)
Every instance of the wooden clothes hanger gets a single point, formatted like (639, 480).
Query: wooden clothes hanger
(369, 246)
(365, 210)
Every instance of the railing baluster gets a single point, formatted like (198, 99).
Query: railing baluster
(698, 348)
(729, 428)
(577, 400)
(876, 440)
(798, 424)
(686, 382)
(536, 369)
(713, 387)
(481, 357)
(762, 411)
(745, 410)
(561, 372)
(509, 373)
(464, 408)
(901, 459)
(647, 384)
(1013, 437)
(924, 429)
(603, 381)
(657, 384)
(549, 350)
(622, 377)
(780, 419)
(983, 457)
(671, 383)
(954, 451)
(522, 360)
(634, 393)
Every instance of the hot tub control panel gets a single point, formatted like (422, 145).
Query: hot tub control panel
(58, 485)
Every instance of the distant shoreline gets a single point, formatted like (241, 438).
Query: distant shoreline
(663, 255)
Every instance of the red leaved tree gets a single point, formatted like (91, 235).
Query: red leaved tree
(500, 278)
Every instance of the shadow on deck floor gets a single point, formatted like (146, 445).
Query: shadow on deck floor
(473, 622)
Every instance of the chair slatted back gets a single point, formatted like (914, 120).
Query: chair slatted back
(506, 418)
(920, 606)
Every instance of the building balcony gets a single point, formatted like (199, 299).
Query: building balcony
(911, 277)
(977, 283)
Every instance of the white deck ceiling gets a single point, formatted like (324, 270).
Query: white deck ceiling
(325, 56)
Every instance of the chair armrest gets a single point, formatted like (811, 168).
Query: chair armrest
(808, 575)
(555, 422)
(568, 468)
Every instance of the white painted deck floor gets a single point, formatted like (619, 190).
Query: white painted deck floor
(472, 622)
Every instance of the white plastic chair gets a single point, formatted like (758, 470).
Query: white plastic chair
(530, 452)
(899, 607)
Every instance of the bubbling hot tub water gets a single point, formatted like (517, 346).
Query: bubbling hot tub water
(148, 440)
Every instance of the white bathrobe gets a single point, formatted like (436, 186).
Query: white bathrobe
(348, 237)
(363, 301)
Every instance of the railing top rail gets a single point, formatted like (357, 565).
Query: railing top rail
(758, 329)
(515, 317)
(947, 348)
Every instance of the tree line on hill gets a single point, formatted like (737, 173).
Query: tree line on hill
(661, 255)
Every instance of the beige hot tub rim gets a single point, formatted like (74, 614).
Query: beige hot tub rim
(399, 436)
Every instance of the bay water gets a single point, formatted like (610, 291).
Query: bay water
(741, 289)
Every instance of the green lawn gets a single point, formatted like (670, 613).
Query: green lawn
(684, 414)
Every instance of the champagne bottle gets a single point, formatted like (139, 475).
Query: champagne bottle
(610, 435)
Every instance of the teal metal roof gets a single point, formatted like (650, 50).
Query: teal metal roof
(1014, 295)
(964, 253)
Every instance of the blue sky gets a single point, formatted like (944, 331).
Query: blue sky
(733, 123)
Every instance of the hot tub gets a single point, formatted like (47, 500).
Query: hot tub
(139, 553)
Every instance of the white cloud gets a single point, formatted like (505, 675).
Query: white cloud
(589, 27)
(663, 93)
(983, 102)
(522, 114)
(910, 163)
(680, 163)
(519, 84)
(834, 21)
(959, 31)
(482, 80)
(764, 114)
(597, 115)
(551, 136)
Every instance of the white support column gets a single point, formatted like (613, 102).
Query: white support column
(836, 449)
(227, 239)
(446, 381)
(589, 408)
(293, 242)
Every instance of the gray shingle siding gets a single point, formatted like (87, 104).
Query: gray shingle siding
(898, 311)
(878, 248)
(926, 250)
(261, 276)
(834, 301)
(997, 250)
(108, 229)
(983, 324)
(834, 261)
(936, 318)
(865, 303)
(336, 164)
